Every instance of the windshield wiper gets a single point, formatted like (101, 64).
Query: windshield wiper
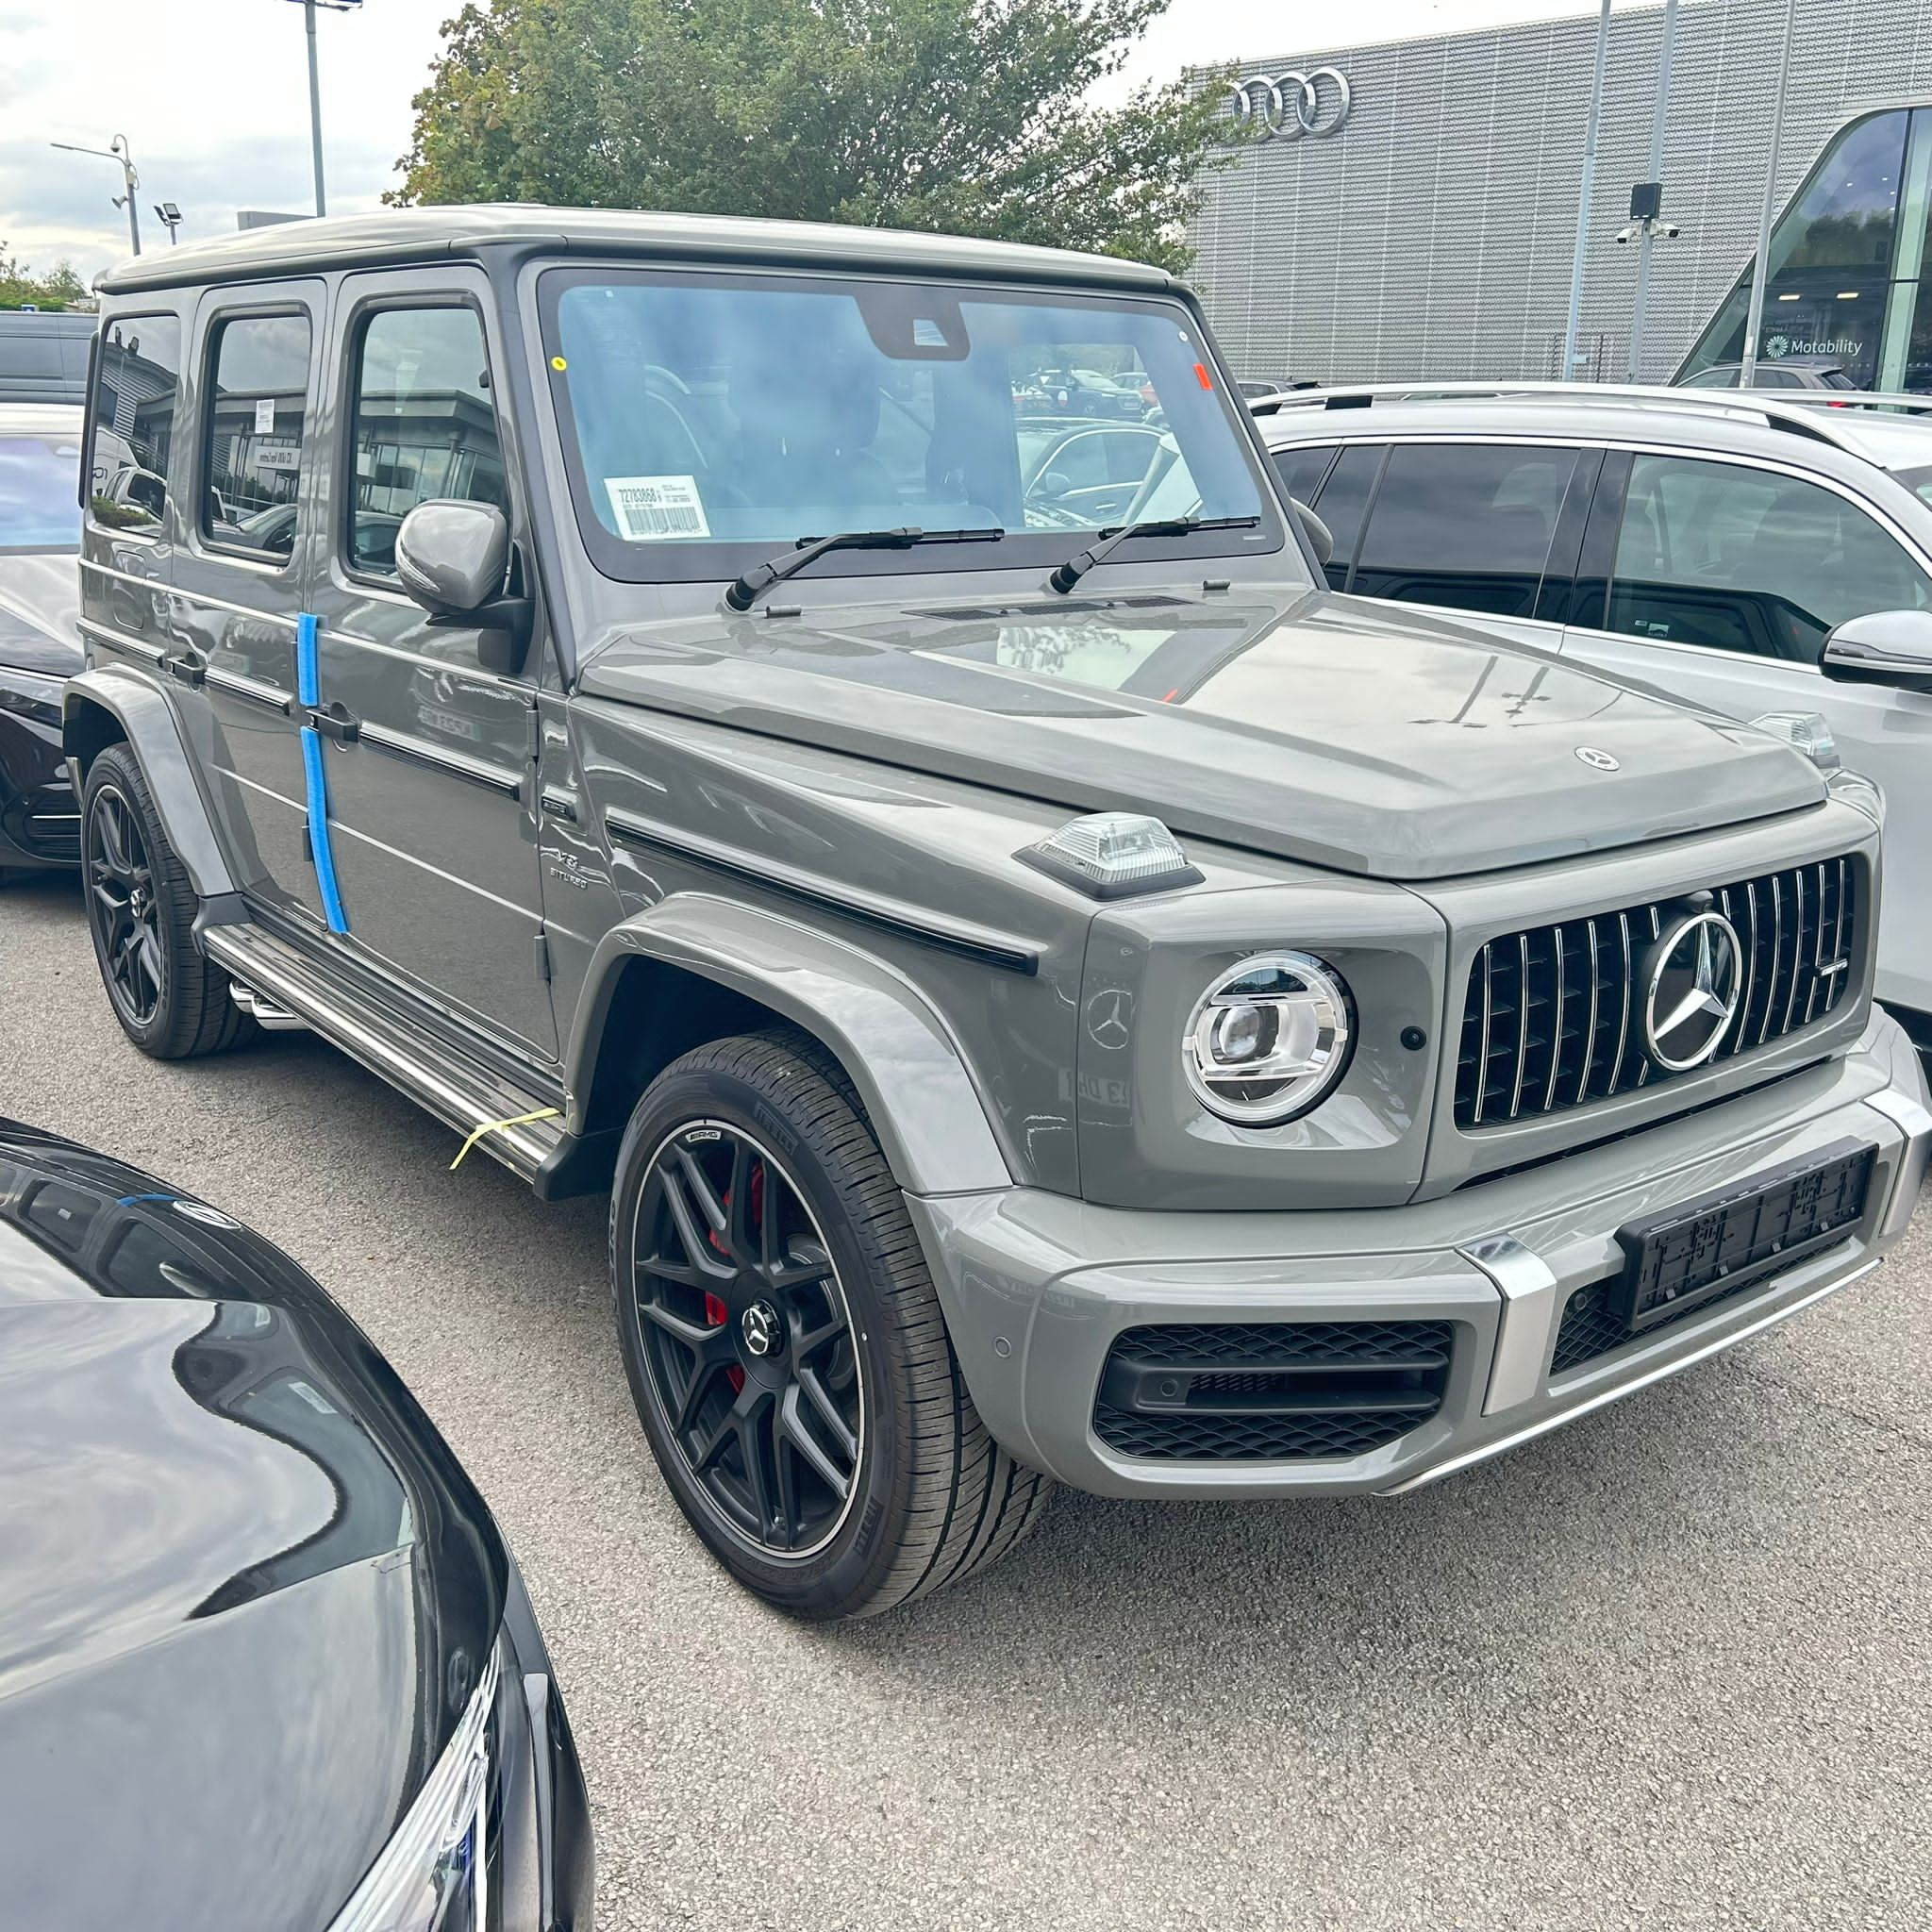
(752, 585)
(1070, 571)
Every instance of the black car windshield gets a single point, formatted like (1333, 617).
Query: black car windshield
(39, 477)
(711, 420)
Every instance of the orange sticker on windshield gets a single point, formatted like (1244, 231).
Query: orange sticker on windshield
(1202, 376)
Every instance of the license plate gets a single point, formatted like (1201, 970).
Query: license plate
(1698, 1249)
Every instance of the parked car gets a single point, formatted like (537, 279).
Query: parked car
(1088, 392)
(1045, 1002)
(259, 1621)
(1730, 554)
(40, 647)
(44, 355)
(1080, 475)
(1790, 371)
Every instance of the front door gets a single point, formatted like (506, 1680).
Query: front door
(430, 770)
(1717, 582)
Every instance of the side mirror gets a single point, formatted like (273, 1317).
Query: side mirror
(1891, 647)
(1321, 539)
(454, 559)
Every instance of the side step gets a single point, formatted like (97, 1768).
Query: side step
(271, 976)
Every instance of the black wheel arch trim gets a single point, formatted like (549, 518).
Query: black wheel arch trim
(112, 703)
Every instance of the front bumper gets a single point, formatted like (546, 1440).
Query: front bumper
(1037, 1287)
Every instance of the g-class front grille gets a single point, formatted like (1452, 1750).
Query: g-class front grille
(1554, 1016)
(1268, 1391)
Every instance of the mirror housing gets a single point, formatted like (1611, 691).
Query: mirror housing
(453, 559)
(1891, 647)
(1321, 539)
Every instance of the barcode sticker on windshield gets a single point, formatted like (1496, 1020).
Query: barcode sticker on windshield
(649, 510)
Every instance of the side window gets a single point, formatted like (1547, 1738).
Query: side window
(257, 416)
(131, 457)
(423, 425)
(1713, 378)
(1129, 456)
(1743, 559)
(1302, 469)
(1464, 525)
(1778, 378)
(1344, 501)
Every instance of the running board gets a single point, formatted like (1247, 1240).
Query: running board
(274, 974)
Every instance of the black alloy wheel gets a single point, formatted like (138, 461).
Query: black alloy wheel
(747, 1338)
(123, 909)
(170, 999)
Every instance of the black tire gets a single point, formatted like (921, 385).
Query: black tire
(171, 1000)
(932, 1498)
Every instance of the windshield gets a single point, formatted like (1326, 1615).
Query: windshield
(39, 486)
(712, 421)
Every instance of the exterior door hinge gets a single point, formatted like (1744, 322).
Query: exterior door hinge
(542, 955)
(533, 732)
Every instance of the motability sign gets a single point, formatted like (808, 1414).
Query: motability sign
(1286, 106)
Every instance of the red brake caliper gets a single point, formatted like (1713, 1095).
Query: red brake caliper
(716, 1314)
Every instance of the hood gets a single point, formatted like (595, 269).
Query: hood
(1320, 729)
(249, 1588)
(40, 600)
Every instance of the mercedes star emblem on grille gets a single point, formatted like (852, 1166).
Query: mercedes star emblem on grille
(1694, 982)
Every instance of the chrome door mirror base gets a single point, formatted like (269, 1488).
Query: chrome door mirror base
(1891, 647)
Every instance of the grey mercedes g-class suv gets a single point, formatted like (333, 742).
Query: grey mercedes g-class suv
(1048, 996)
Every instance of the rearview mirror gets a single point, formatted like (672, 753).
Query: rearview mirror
(452, 556)
(1891, 647)
(1321, 539)
(453, 559)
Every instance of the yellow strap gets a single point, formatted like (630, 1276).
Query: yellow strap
(521, 1120)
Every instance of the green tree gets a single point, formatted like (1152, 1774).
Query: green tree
(59, 288)
(967, 116)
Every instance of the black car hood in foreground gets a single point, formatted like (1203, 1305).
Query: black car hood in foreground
(1322, 728)
(247, 1589)
(40, 600)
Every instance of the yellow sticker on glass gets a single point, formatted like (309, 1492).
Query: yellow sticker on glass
(557, 363)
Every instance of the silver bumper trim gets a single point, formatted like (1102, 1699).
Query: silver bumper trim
(1523, 1339)
(1662, 1372)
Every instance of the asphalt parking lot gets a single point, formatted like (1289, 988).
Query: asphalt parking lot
(1667, 1668)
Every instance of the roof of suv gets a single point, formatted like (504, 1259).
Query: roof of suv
(1742, 421)
(416, 234)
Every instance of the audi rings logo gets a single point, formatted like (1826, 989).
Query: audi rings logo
(1285, 106)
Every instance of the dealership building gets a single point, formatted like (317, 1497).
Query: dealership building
(1411, 210)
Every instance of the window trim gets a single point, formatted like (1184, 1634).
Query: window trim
(216, 321)
(92, 423)
(350, 330)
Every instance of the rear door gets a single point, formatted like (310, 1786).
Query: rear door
(1716, 581)
(431, 794)
(1474, 529)
(243, 565)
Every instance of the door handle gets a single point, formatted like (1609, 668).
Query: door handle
(335, 719)
(190, 671)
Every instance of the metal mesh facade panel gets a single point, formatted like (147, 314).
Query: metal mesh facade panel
(1432, 235)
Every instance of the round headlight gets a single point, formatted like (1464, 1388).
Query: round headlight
(1268, 1040)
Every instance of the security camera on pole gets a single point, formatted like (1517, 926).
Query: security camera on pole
(308, 7)
(116, 150)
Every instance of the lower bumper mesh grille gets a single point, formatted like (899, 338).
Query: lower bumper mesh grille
(1268, 1391)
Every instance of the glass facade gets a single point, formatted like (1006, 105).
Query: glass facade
(1847, 257)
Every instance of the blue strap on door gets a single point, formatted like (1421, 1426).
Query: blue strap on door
(308, 690)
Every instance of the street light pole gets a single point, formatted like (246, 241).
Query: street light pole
(117, 150)
(1657, 175)
(308, 7)
(1596, 115)
(1761, 273)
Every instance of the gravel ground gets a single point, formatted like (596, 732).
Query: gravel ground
(1667, 1668)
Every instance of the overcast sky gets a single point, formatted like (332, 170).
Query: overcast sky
(213, 94)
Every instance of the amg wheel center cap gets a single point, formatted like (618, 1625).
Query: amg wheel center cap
(762, 1328)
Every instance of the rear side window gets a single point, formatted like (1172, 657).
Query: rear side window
(131, 462)
(1303, 469)
(1343, 500)
(423, 425)
(257, 417)
(1467, 526)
